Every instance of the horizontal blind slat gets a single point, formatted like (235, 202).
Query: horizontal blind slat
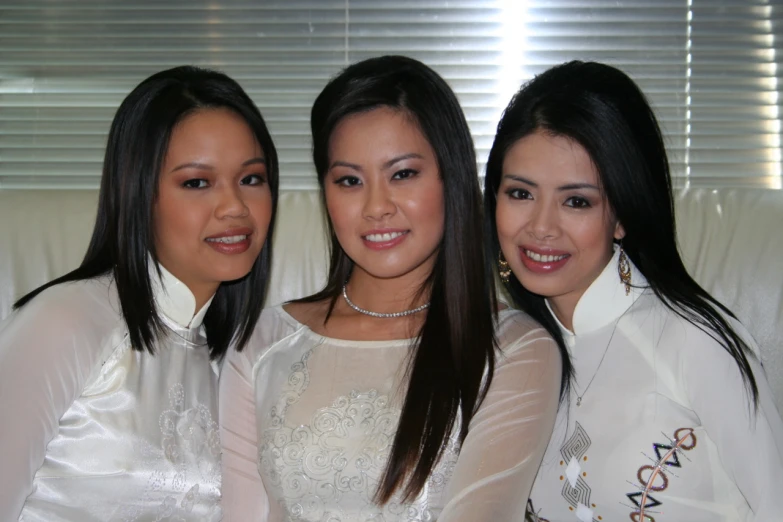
(711, 71)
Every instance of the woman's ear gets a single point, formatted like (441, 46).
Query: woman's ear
(619, 231)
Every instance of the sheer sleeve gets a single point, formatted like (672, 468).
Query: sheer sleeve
(244, 497)
(750, 444)
(48, 350)
(510, 432)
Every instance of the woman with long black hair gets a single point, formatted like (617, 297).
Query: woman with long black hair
(392, 394)
(108, 375)
(669, 416)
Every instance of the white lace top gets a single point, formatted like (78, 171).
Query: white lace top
(308, 422)
(96, 431)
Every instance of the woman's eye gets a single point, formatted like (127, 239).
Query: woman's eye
(404, 174)
(347, 181)
(519, 193)
(195, 183)
(577, 202)
(253, 179)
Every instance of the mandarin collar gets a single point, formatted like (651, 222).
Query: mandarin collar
(604, 301)
(174, 299)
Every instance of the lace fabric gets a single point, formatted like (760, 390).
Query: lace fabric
(308, 422)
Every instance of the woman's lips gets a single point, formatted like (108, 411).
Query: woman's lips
(232, 241)
(543, 261)
(384, 239)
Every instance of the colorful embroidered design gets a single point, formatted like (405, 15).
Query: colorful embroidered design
(655, 477)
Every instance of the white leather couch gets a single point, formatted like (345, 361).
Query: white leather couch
(731, 240)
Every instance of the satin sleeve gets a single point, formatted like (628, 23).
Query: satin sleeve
(749, 443)
(510, 431)
(48, 350)
(244, 497)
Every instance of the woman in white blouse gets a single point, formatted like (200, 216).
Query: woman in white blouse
(669, 416)
(385, 397)
(108, 385)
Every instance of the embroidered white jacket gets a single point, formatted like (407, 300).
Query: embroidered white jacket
(96, 431)
(663, 383)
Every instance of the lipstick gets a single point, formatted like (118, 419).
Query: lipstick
(232, 241)
(543, 260)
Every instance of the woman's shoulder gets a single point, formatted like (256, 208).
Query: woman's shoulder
(681, 337)
(80, 318)
(75, 304)
(274, 325)
(516, 329)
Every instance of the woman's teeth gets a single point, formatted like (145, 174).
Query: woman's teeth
(386, 236)
(543, 259)
(229, 240)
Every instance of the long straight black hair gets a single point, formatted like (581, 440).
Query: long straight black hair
(123, 237)
(455, 346)
(603, 110)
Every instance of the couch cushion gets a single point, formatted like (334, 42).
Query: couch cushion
(732, 242)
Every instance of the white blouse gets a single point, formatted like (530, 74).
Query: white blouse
(307, 424)
(665, 421)
(96, 431)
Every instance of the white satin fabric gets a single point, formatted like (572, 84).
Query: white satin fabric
(307, 423)
(96, 431)
(650, 382)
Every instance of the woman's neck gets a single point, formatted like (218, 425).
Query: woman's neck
(387, 295)
(202, 291)
(563, 309)
(564, 306)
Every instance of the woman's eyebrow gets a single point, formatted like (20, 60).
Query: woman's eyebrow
(561, 188)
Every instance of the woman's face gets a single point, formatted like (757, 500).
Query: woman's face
(384, 194)
(214, 203)
(554, 224)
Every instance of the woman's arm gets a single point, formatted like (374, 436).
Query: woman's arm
(509, 433)
(750, 444)
(244, 498)
(47, 351)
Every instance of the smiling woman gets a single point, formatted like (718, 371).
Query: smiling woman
(383, 191)
(105, 373)
(391, 394)
(580, 210)
(211, 215)
(552, 214)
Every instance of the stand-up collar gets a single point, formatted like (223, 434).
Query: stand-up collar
(604, 300)
(174, 299)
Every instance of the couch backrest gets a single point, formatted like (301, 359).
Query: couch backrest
(731, 241)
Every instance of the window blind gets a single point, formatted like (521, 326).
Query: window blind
(709, 67)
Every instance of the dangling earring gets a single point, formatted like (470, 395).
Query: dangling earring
(624, 269)
(504, 269)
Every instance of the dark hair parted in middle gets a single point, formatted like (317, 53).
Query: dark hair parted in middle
(122, 240)
(603, 110)
(455, 346)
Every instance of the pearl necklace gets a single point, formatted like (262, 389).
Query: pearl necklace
(383, 315)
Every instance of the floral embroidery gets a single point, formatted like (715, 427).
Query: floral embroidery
(190, 442)
(337, 458)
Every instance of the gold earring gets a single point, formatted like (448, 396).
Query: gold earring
(624, 269)
(504, 269)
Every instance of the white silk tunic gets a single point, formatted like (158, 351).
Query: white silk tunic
(308, 422)
(96, 431)
(665, 431)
